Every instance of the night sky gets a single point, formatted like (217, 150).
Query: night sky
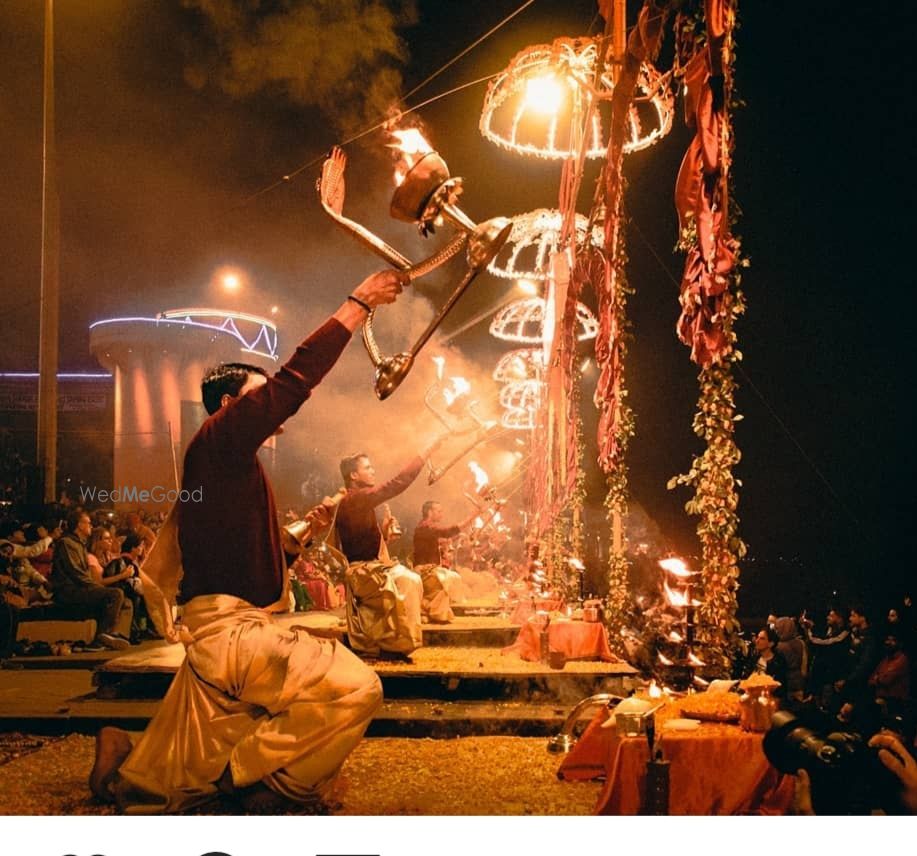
(170, 123)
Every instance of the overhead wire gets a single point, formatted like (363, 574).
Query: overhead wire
(774, 415)
(288, 177)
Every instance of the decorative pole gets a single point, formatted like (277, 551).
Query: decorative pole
(616, 425)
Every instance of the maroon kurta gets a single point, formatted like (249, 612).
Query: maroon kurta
(356, 521)
(230, 542)
(426, 541)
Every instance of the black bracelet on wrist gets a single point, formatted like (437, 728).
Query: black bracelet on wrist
(361, 303)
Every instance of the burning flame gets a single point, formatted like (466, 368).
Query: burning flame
(411, 147)
(654, 691)
(700, 682)
(496, 518)
(481, 479)
(694, 660)
(478, 523)
(675, 636)
(576, 564)
(665, 660)
(675, 566)
(440, 365)
(675, 598)
(459, 387)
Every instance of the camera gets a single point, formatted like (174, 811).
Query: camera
(846, 774)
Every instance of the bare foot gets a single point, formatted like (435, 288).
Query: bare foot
(113, 745)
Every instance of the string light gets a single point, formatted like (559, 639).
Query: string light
(529, 110)
(523, 321)
(519, 365)
(534, 239)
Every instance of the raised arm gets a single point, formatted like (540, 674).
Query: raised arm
(246, 422)
(21, 551)
(827, 641)
(401, 482)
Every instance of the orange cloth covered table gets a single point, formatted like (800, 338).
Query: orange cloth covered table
(576, 640)
(717, 769)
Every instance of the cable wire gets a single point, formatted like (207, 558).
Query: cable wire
(783, 426)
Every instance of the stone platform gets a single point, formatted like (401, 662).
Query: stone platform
(458, 684)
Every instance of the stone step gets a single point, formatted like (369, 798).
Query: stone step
(55, 703)
(486, 631)
(477, 611)
(440, 673)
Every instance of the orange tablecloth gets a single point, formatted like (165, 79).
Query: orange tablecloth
(576, 640)
(717, 769)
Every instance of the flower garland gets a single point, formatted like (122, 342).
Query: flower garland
(712, 301)
(617, 601)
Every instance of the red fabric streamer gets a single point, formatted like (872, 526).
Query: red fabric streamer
(642, 44)
(702, 199)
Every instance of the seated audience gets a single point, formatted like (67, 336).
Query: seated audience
(74, 584)
(768, 660)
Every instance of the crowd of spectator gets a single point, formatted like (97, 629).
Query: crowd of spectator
(88, 562)
(855, 672)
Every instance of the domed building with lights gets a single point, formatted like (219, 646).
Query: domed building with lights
(157, 365)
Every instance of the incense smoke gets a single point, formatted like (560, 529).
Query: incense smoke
(341, 56)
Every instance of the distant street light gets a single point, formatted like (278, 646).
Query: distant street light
(229, 279)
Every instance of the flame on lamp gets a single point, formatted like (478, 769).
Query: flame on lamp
(675, 598)
(675, 566)
(654, 691)
(576, 564)
(411, 147)
(481, 479)
(665, 660)
(440, 365)
(459, 387)
(675, 636)
(694, 660)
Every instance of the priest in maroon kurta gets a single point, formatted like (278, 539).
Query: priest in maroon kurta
(383, 597)
(259, 710)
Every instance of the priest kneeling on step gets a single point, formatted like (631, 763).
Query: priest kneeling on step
(439, 582)
(260, 711)
(383, 597)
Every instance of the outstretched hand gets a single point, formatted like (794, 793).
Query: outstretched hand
(381, 287)
(434, 445)
(802, 794)
(332, 185)
(894, 756)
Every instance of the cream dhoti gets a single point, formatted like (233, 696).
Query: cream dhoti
(437, 592)
(383, 608)
(276, 704)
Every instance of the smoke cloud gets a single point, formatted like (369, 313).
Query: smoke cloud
(344, 417)
(341, 56)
